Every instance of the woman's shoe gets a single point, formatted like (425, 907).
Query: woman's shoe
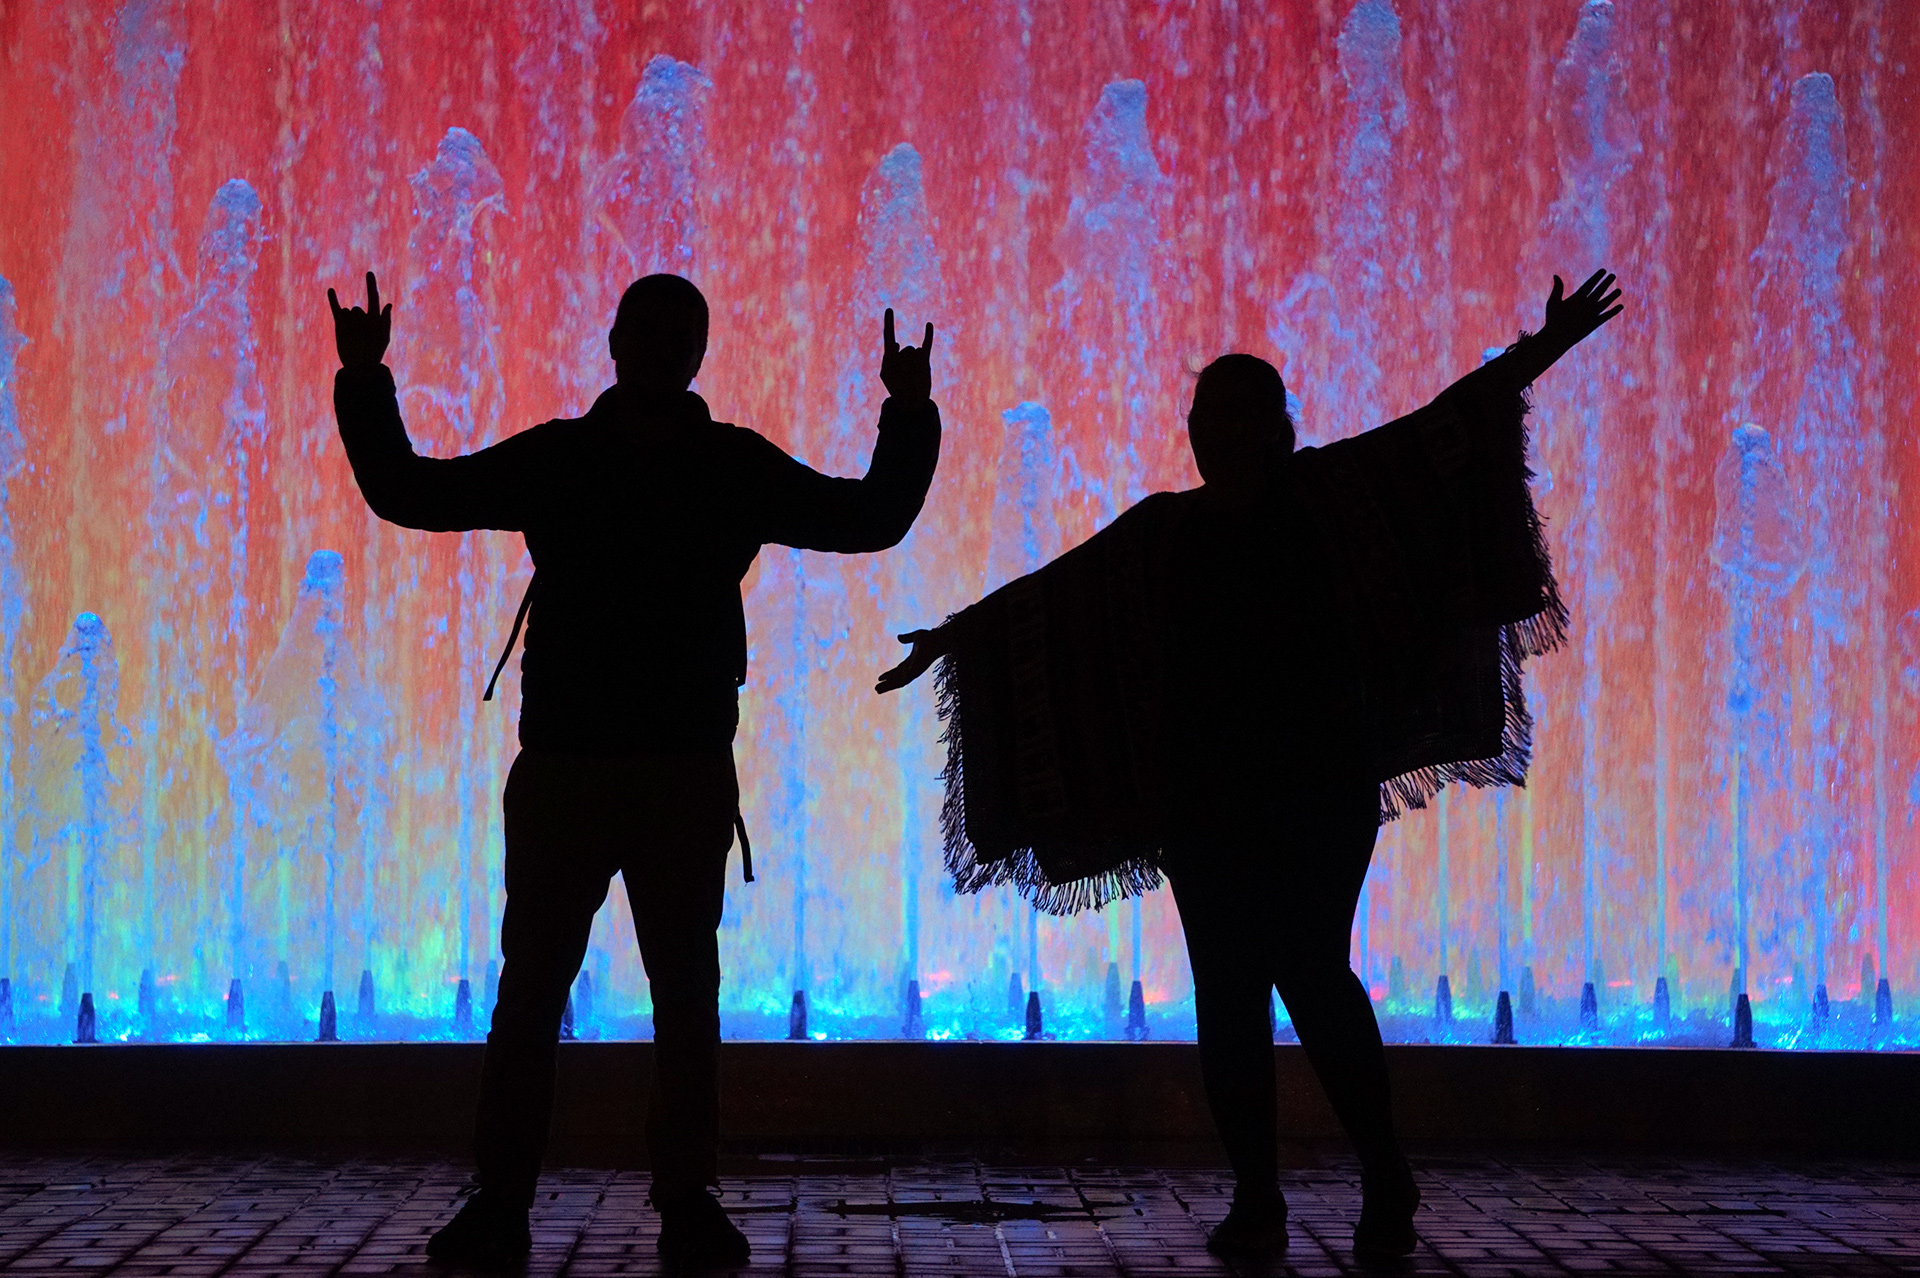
(1387, 1205)
(695, 1233)
(1256, 1225)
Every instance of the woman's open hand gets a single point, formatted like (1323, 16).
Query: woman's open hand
(1570, 320)
(928, 647)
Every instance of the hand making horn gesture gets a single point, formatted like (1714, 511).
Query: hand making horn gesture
(361, 335)
(906, 371)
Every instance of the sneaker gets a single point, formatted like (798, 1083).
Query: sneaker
(696, 1234)
(484, 1235)
(1255, 1226)
(1387, 1205)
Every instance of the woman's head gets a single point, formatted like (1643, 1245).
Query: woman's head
(1239, 425)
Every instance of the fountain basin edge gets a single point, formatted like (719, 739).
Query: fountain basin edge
(1045, 1101)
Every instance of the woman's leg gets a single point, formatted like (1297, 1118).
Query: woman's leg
(1231, 992)
(1331, 1011)
(1334, 1018)
(1332, 1014)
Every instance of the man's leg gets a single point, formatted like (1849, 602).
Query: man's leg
(556, 878)
(676, 878)
(676, 882)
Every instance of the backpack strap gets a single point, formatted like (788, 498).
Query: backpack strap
(519, 619)
(746, 848)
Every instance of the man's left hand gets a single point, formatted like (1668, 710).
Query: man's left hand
(906, 371)
(361, 336)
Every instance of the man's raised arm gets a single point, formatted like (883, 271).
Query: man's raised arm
(488, 489)
(798, 506)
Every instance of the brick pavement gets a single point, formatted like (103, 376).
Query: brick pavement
(1504, 1213)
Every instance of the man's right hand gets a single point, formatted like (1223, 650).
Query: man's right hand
(361, 335)
(907, 372)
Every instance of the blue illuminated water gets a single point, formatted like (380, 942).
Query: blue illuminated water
(13, 604)
(300, 778)
(1812, 366)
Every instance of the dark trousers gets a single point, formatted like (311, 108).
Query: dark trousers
(665, 824)
(1268, 904)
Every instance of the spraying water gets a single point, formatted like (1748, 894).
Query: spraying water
(1367, 193)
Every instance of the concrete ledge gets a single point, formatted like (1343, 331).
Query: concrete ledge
(1018, 1100)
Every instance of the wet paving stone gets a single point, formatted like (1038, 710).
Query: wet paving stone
(1514, 1212)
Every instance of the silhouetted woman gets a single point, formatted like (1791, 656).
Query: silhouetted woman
(1234, 686)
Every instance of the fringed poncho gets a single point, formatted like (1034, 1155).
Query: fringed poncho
(1054, 687)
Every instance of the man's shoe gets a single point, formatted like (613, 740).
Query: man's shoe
(484, 1235)
(1387, 1205)
(1256, 1226)
(696, 1234)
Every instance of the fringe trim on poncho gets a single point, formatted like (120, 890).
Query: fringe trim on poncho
(1021, 867)
(1050, 690)
(1519, 641)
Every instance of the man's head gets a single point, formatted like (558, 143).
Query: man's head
(1238, 425)
(659, 335)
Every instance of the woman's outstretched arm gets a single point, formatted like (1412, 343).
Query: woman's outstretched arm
(1569, 321)
(1142, 525)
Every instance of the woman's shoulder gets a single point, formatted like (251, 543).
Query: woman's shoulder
(1149, 518)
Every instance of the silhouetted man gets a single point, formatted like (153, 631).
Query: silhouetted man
(1233, 685)
(641, 517)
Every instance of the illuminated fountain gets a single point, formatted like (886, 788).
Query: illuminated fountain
(903, 273)
(309, 755)
(209, 458)
(1332, 323)
(280, 757)
(13, 603)
(1759, 541)
(447, 365)
(1031, 470)
(70, 885)
(1837, 655)
(1597, 146)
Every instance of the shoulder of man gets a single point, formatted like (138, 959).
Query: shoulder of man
(1158, 508)
(556, 429)
(741, 445)
(603, 413)
(722, 448)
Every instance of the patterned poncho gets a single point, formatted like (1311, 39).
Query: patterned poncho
(1054, 687)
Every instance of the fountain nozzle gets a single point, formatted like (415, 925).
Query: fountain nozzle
(1503, 1019)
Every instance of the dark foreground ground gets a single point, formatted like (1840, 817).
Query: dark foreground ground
(1513, 1212)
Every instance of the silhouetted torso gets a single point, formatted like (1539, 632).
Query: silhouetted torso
(1262, 694)
(640, 533)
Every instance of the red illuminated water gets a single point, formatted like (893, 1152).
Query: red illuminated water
(256, 756)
